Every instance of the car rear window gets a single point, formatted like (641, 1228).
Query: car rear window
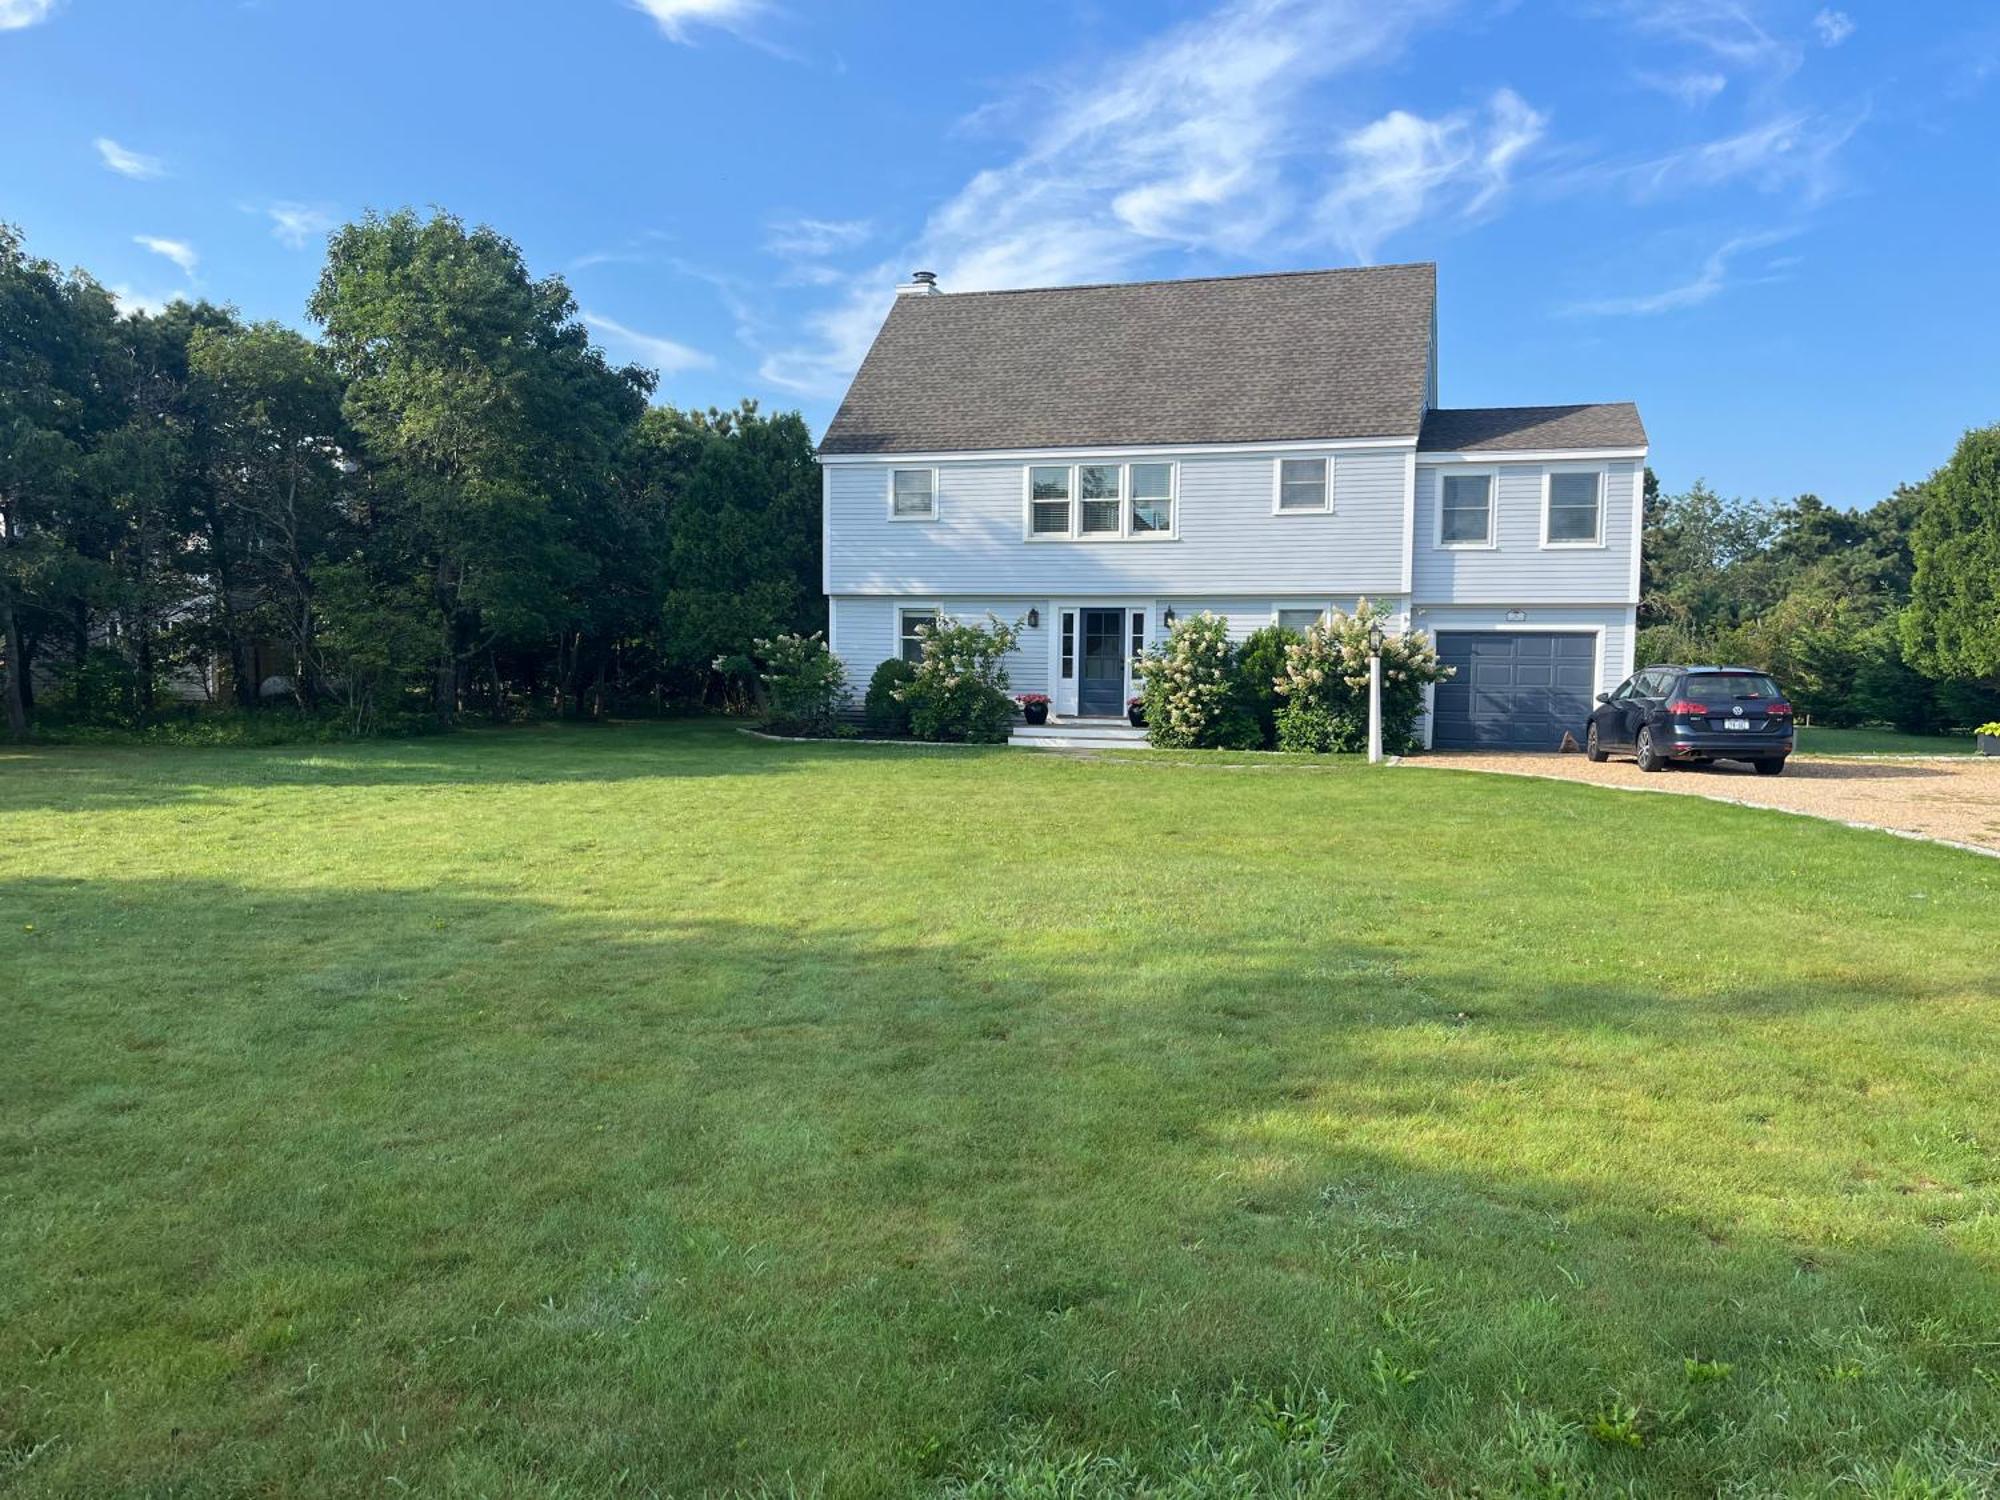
(1733, 684)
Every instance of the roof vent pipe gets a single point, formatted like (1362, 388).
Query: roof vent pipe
(920, 284)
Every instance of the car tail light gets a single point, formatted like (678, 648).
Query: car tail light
(1779, 710)
(1683, 706)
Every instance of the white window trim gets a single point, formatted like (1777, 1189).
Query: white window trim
(1549, 471)
(1492, 542)
(1278, 508)
(889, 500)
(908, 606)
(1279, 606)
(1072, 535)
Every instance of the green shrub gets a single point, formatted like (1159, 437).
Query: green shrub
(1260, 662)
(882, 707)
(807, 683)
(1327, 670)
(959, 689)
(1189, 684)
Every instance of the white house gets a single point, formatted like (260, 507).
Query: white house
(1097, 461)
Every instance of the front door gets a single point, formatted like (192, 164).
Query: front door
(1100, 686)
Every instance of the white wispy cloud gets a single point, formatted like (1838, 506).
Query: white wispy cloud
(1833, 26)
(1398, 169)
(15, 14)
(1711, 278)
(679, 20)
(1693, 89)
(813, 238)
(296, 225)
(128, 302)
(180, 252)
(128, 163)
(1728, 30)
(1193, 142)
(662, 354)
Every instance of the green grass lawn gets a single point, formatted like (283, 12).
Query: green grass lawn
(1813, 739)
(654, 1110)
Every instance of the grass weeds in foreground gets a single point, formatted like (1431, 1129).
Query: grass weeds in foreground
(658, 1110)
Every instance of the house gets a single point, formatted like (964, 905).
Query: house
(1098, 461)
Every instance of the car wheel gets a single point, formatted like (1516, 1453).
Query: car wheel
(1650, 759)
(1774, 766)
(1592, 750)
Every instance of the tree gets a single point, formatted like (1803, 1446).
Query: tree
(476, 388)
(1952, 625)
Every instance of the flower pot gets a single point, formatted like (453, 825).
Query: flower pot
(1989, 744)
(1035, 713)
(1136, 714)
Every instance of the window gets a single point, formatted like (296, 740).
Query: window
(1737, 685)
(913, 495)
(1048, 502)
(1101, 502)
(1138, 637)
(1302, 484)
(1465, 510)
(1068, 644)
(912, 644)
(1574, 509)
(1300, 620)
(1152, 498)
(1098, 485)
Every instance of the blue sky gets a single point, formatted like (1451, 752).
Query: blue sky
(1771, 222)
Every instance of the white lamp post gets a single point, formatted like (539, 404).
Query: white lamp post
(1374, 695)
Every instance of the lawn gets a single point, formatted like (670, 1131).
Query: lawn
(655, 1110)
(1814, 739)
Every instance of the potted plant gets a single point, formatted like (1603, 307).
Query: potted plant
(1135, 711)
(1989, 738)
(1034, 707)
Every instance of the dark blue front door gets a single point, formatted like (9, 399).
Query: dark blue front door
(1512, 690)
(1100, 686)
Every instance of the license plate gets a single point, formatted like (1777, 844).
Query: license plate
(1735, 723)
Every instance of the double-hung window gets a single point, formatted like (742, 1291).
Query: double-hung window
(908, 641)
(1101, 502)
(1465, 510)
(1304, 486)
(913, 494)
(1573, 508)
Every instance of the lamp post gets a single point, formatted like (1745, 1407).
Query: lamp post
(1374, 695)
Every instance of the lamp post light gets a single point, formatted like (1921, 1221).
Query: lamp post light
(1374, 695)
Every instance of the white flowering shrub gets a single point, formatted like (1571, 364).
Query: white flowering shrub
(1190, 695)
(806, 683)
(1324, 684)
(959, 691)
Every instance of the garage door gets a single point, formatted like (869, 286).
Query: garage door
(1513, 690)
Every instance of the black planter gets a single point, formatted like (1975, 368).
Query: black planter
(1136, 713)
(1035, 713)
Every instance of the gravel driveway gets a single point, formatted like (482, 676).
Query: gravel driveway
(1957, 801)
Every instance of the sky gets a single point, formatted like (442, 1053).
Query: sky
(1775, 224)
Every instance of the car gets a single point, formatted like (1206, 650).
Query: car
(1668, 715)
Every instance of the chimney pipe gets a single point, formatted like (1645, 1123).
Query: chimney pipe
(920, 284)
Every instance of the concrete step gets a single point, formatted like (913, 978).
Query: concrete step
(1080, 734)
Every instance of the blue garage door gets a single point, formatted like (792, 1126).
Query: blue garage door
(1513, 690)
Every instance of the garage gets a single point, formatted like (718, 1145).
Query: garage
(1513, 690)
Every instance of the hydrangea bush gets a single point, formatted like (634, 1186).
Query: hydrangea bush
(1324, 684)
(1189, 685)
(806, 683)
(959, 691)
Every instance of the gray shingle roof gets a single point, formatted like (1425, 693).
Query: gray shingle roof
(1608, 424)
(1233, 359)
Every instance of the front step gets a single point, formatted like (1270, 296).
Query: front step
(1080, 734)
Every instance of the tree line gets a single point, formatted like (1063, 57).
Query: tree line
(1889, 614)
(449, 503)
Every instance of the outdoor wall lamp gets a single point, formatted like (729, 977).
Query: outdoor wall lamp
(1167, 619)
(1034, 619)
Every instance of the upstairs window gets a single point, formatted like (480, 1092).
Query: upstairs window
(1152, 488)
(913, 495)
(1101, 502)
(1574, 513)
(1048, 501)
(1465, 510)
(1302, 485)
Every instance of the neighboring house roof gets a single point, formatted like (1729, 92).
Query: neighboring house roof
(1608, 424)
(1231, 359)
